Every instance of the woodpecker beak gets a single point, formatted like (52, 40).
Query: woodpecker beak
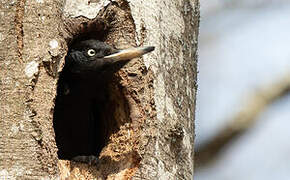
(130, 53)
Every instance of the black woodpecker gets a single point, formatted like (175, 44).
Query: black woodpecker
(81, 94)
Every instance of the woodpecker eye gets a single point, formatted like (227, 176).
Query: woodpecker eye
(91, 52)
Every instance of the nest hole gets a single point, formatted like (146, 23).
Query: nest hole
(70, 121)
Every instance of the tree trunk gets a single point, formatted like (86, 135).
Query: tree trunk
(152, 98)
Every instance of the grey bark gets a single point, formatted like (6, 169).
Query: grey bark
(155, 94)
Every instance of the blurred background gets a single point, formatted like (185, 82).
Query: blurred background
(243, 101)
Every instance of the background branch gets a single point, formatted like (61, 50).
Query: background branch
(242, 121)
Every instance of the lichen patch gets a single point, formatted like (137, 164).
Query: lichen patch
(31, 69)
(53, 44)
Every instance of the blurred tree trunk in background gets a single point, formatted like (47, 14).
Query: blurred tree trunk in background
(160, 96)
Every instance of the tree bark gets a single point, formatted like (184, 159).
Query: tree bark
(152, 98)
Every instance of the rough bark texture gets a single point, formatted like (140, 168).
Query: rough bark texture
(27, 146)
(153, 97)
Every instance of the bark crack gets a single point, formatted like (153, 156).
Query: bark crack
(19, 27)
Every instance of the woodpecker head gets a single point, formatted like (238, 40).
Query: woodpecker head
(93, 56)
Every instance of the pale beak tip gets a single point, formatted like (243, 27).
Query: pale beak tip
(149, 49)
